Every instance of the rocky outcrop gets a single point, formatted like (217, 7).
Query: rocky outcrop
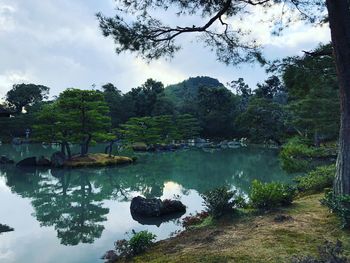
(27, 162)
(58, 159)
(43, 162)
(153, 207)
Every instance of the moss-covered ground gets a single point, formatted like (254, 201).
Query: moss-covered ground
(97, 160)
(255, 238)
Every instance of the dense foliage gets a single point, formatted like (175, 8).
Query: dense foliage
(77, 116)
(137, 244)
(271, 195)
(159, 129)
(221, 200)
(316, 180)
(299, 155)
(300, 100)
(340, 205)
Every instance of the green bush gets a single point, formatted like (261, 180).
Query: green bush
(141, 241)
(340, 205)
(316, 180)
(138, 243)
(298, 156)
(271, 195)
(222, 200)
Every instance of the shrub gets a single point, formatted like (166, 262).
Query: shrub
(330, 252)
(317, 180)
(340, 205)
(221, 200)
(298, 156)
(270, 195)
(194, 219)
(141, 241)
(138, 243)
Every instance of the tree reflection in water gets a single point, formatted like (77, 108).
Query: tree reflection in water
(72, 201)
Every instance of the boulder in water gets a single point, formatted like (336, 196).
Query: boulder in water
(27, 162)
(154, 207)
(44, 162)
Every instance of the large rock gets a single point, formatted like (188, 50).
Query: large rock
(153, 207)
(5, 160)
(58, 159)
(139, 147)
(27, 162)
(44, 162)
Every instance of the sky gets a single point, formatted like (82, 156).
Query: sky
(57, 43)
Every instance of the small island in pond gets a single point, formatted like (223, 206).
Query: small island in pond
(97, 160)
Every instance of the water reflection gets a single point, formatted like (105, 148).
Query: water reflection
(77, 202)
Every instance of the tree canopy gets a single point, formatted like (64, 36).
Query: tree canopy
(22, 95)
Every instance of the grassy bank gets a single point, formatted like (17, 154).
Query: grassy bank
(255, 238)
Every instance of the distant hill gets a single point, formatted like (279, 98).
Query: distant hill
(188, 89)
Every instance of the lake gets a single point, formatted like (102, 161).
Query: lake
(76, 215)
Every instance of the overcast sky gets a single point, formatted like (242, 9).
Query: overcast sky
(58, 43)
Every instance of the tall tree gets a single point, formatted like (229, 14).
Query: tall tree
(78, 116)
(151, 39)
(145, 97)
(113, 98)
(215, 111)
(313, 94)
(22, 95)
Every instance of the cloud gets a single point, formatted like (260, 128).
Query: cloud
(59, 44)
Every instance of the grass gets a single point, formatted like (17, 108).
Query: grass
(255, 238)
(97, 160)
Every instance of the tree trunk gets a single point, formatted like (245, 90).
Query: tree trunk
(69, 154)
(317, 141)
(339, 19)
(85, 145)
(109, 148)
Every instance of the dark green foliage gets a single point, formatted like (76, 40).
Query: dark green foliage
(313, 95)
(159, 129)
(244, 93)
(141, 241)
(77, 116)
(185, 93)
(5, 228)
(270, 88)
(299, 156)
(316, 180)
(22, 95)
(271, 195)
(138, 243)
(215, 111)
(340, 205)
(145, 97)
(114, 100)
(329, 253)
(264, 121)
(149, 37)
(221, 200)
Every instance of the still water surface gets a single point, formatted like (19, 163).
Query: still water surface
(76, 215)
